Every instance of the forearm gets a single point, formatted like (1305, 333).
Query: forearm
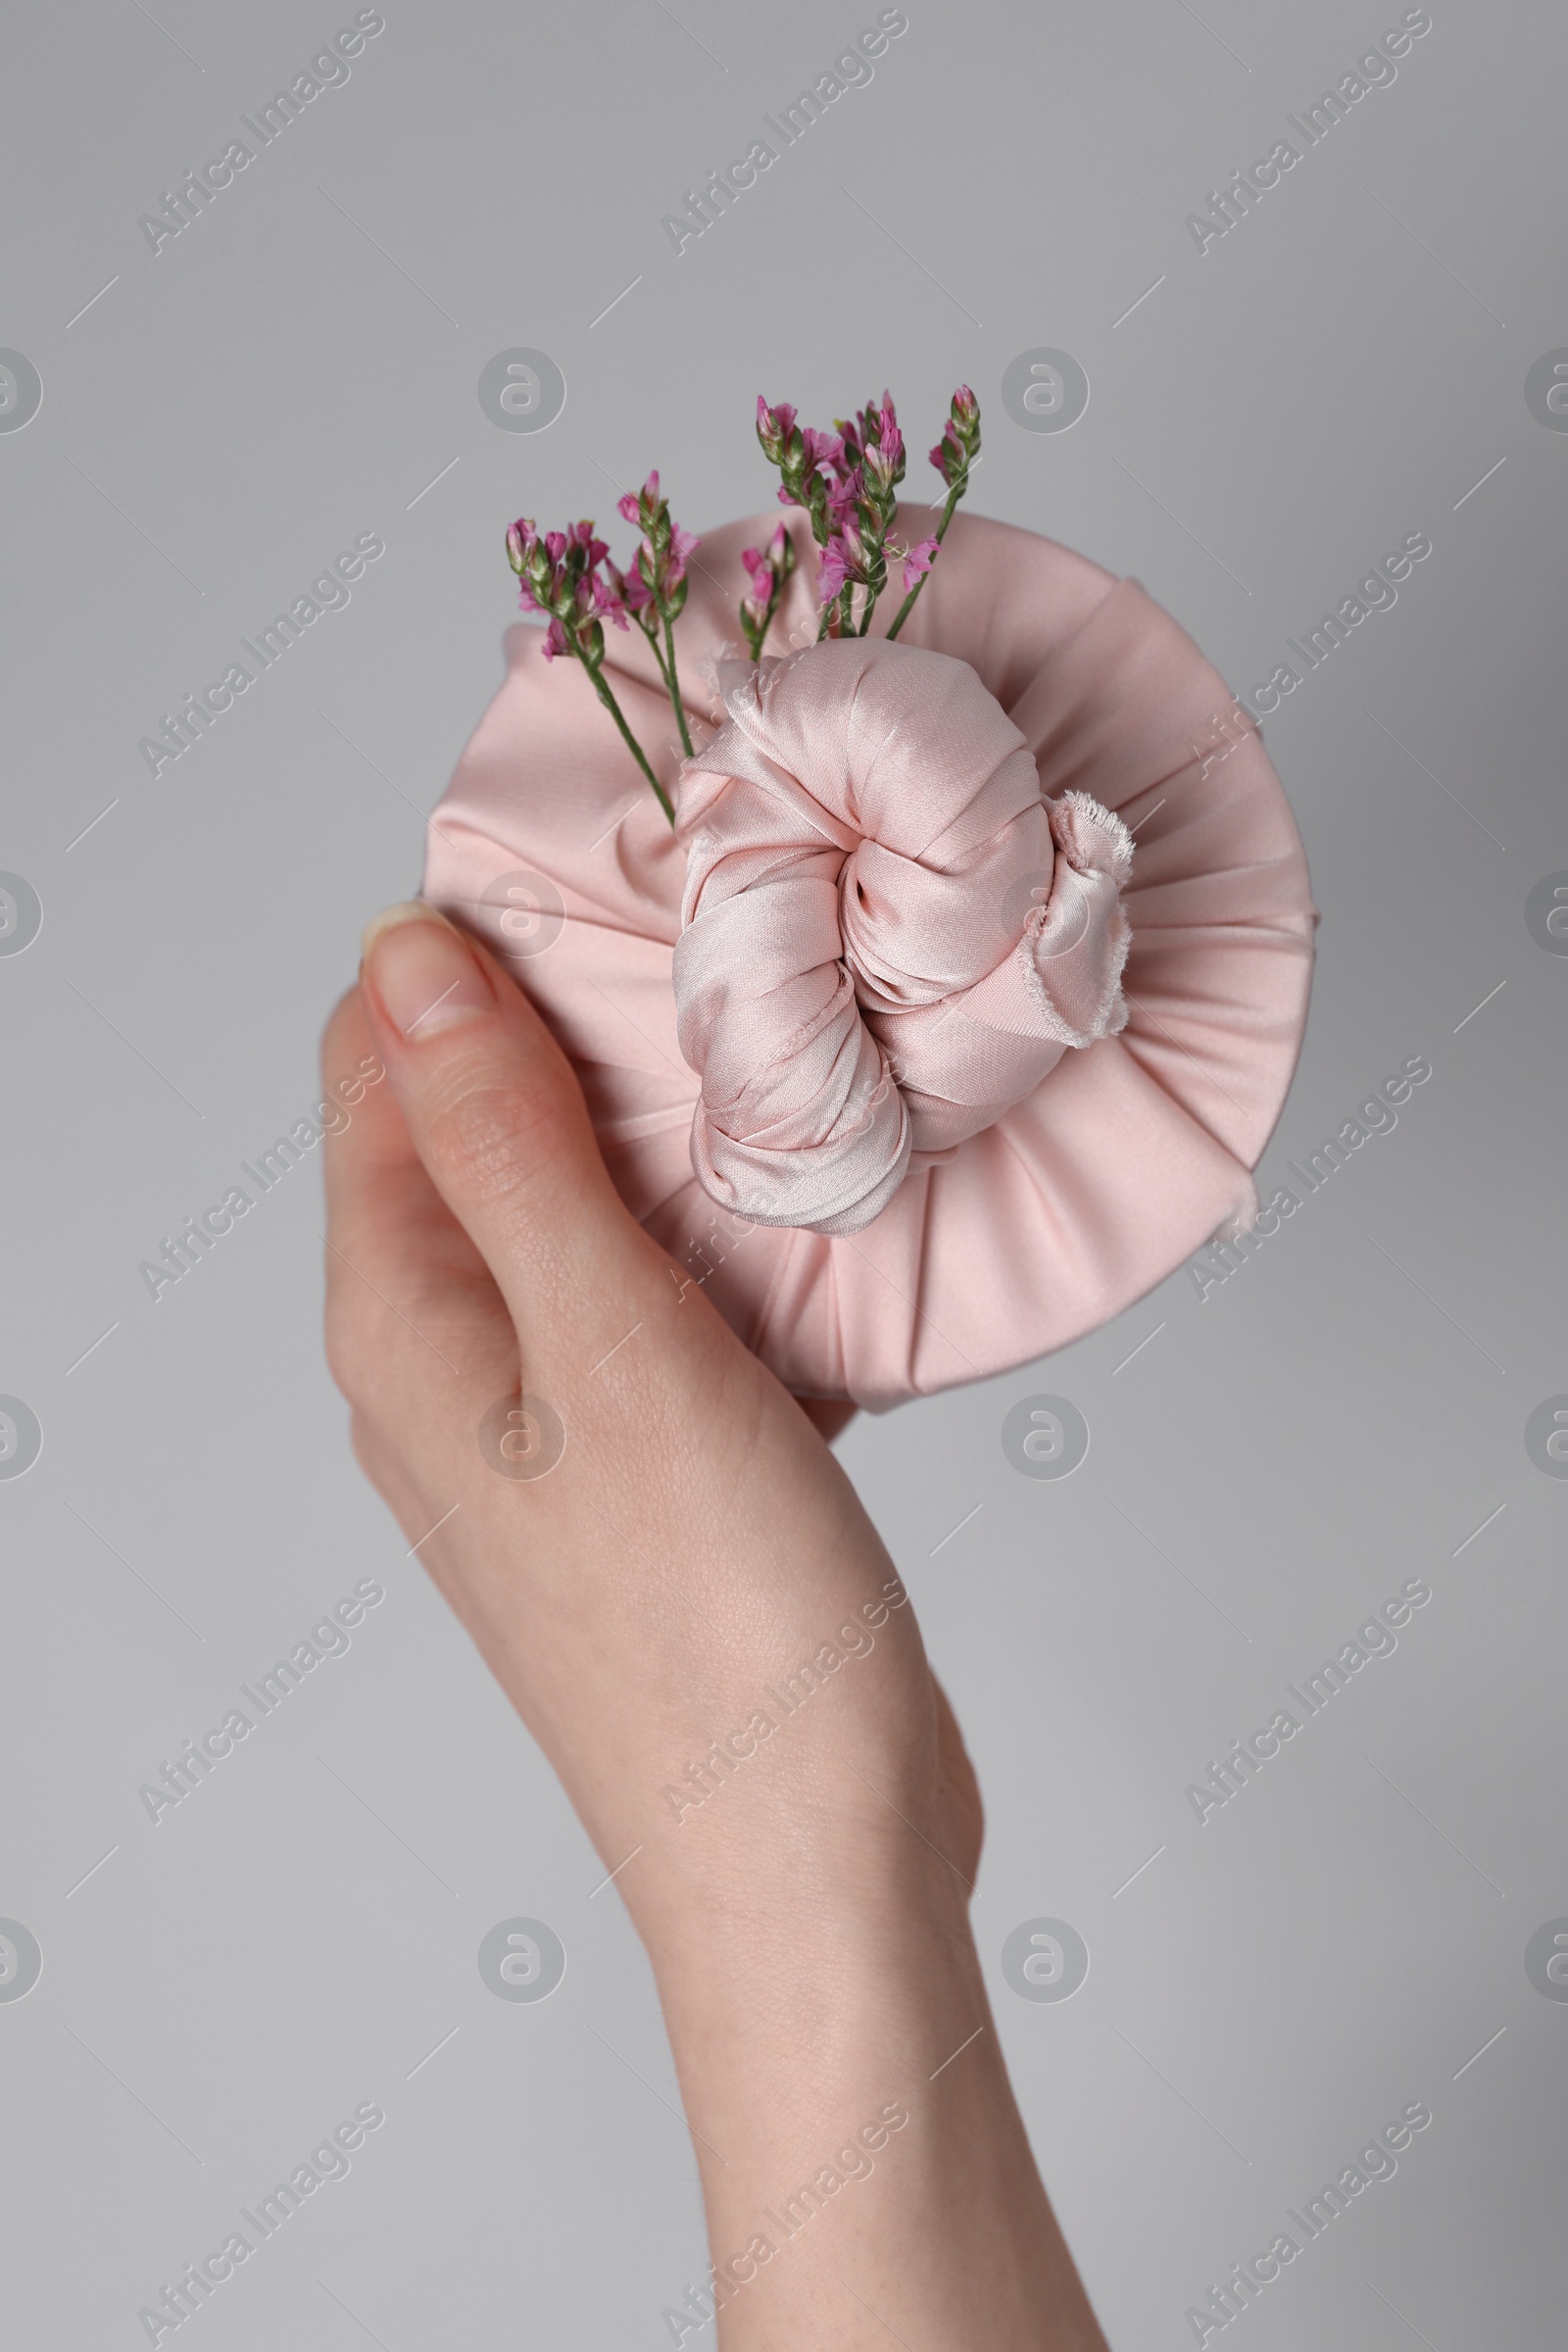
(865, 2167)
(687, 1606)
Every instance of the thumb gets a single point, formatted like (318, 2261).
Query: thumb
(496, 1114)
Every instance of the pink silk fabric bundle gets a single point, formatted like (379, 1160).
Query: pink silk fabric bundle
(887, 938)
(961, 1006)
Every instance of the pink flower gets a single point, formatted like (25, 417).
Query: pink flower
(833, 570)
(768, 567)
(919, 561)
(771, 558)
(555, 641)
(843, 560)
(846, 504)
(640, 505)
(681, 544)
(581, 534)
(821, 449)
(635, 593)
(610, 595)
(961, 437)
(773, 429)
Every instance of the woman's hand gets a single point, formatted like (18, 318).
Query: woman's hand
(677, 1588)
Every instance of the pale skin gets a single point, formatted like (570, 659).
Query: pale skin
(806, 1918)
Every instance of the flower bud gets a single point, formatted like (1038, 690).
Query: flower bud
(773, 429)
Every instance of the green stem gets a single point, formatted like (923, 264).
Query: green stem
(651, 636)
(673, 684)
(629, 739)
(908, 606)
(767, 620)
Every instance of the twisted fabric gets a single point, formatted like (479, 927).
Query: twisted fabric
(887, 938)
(1124, 1157)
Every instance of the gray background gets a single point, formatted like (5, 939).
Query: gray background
(1343, 1414)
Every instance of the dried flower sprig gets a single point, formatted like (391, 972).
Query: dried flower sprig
(569, 577)
(660, 576)
(954, 458)
(769, 568)
(863, 507)
(845, 481)
(853, 512)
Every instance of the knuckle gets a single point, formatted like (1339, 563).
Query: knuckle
(491, 1139)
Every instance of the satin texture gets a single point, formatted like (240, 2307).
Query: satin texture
(887, 938)
(1134, 1142)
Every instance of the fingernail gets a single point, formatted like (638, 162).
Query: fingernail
(422, 970)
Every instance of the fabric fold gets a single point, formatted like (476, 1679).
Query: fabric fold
(987, 1244)
(887, 937)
